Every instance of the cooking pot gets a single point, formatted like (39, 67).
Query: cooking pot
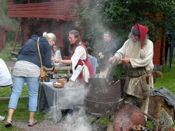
(127, 117)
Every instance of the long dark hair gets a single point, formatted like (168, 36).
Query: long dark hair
(73, 46)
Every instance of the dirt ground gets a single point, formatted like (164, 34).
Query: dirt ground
(45, 125)
(10, 63)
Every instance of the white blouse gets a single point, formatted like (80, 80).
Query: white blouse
(5, 76)
(80, 53)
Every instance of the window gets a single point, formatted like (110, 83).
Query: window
(20, 1)
(30, 1)
(39, 1)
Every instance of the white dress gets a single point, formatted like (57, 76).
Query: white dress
(80, 53)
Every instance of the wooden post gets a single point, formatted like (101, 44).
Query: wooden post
(17, 34)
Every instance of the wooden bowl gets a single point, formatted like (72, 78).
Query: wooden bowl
(57, 85)
(62, 81)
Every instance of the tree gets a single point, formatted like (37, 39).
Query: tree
(120, 15)
(10, 36)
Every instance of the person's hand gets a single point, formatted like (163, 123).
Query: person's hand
(112, 59)
(125, 60)
(101, 55)
(52, 58)
(56, 60)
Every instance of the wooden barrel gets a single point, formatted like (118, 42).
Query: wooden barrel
(101, 98)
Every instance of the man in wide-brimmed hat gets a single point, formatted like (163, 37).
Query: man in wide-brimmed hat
(137, 57)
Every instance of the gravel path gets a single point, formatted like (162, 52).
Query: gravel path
(45, 125)
(10, 63)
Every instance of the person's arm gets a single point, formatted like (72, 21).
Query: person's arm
(62, 61)
(118, 55)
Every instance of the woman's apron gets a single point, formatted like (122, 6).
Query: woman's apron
(88, 64)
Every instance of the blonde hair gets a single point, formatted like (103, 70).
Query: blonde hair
(49, 36)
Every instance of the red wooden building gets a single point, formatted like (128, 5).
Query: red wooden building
(3, 30)
(159, 52)
(159, 46)
(37, 16)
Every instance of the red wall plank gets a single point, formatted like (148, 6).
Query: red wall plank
(2, 39)
(59, 10)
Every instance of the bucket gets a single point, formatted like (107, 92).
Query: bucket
(102, 99)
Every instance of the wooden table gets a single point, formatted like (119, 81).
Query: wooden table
(53, 100)
(61, 68)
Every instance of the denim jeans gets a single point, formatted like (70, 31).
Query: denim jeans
(18, 83)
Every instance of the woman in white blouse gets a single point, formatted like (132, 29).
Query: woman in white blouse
(79, 57)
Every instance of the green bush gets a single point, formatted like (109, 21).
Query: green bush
(118, 71)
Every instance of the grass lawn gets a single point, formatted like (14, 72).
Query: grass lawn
(22, 113)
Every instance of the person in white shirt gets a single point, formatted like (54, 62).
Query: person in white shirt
(57, 53)
(5, 76)
(136, 54)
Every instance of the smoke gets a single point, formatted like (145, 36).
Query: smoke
(72, 98)
(77, 122)
(96, 27)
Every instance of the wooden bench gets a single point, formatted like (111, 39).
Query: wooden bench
(1, 98)
(11, 86)
(68, 69)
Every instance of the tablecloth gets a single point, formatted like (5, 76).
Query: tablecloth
(53, 100)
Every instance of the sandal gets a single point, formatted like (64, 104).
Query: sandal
(32, 123)
(8, 124)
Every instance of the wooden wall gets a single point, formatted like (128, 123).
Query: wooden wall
(29, 27)
(2, 39)
(159, 52)
(3, 30)
(54, 16)
(56, 9)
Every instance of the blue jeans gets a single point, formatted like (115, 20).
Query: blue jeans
(18, 83)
